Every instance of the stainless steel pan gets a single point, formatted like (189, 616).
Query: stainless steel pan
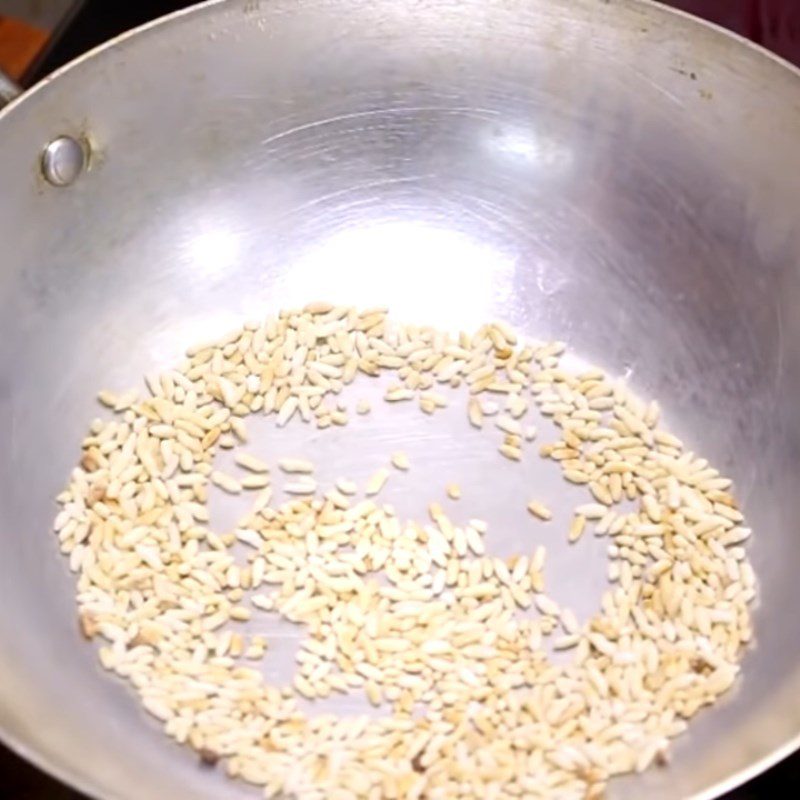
(610, 173)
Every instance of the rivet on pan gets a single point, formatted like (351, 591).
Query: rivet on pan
(63, 160)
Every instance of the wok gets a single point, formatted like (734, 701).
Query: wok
(612, 173)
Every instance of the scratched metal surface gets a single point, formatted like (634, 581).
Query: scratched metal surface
(611, 174)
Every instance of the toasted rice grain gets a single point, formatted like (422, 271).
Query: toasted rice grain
(540, 510)
(411, 614)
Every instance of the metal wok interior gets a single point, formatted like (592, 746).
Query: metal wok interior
(608, 173)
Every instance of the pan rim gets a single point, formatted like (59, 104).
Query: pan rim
(655, 6)
(65, 772)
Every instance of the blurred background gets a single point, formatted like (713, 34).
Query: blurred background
(37, 36)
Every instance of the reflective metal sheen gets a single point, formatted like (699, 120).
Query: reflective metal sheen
(63, 161)
(613, 174)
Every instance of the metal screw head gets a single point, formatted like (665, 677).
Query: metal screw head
(63, 160)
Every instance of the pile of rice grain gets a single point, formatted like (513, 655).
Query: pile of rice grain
(414, 614)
